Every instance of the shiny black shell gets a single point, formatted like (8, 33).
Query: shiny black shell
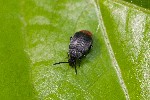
(80, 44)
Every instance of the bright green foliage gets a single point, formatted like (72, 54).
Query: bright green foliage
(142, 3)
(36, 34)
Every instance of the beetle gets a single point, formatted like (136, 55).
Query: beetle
(80, 45)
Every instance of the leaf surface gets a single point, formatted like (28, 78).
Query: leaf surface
(36, 34)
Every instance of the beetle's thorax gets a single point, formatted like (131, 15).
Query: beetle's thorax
(74, 53)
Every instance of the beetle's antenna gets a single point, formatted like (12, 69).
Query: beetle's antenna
(75, 70)
(60, 63)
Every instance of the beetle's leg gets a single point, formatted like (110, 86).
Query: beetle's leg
(90, 47)
(79, 61)
(75, 69)
(88, 50)
(70, 37)
(84, 55)
(68, 54)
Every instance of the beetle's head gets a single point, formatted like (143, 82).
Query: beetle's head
(72, 62)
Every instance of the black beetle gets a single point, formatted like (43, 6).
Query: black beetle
(80, 45)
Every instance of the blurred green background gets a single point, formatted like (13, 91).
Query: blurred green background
(34, 34)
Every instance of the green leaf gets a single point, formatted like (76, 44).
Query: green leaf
(141, 3)
(129, 38)
(15, 81)
(36, 34)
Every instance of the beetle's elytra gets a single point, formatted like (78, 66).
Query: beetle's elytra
(80, 45)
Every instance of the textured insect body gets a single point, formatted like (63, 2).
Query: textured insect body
(80, 45)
